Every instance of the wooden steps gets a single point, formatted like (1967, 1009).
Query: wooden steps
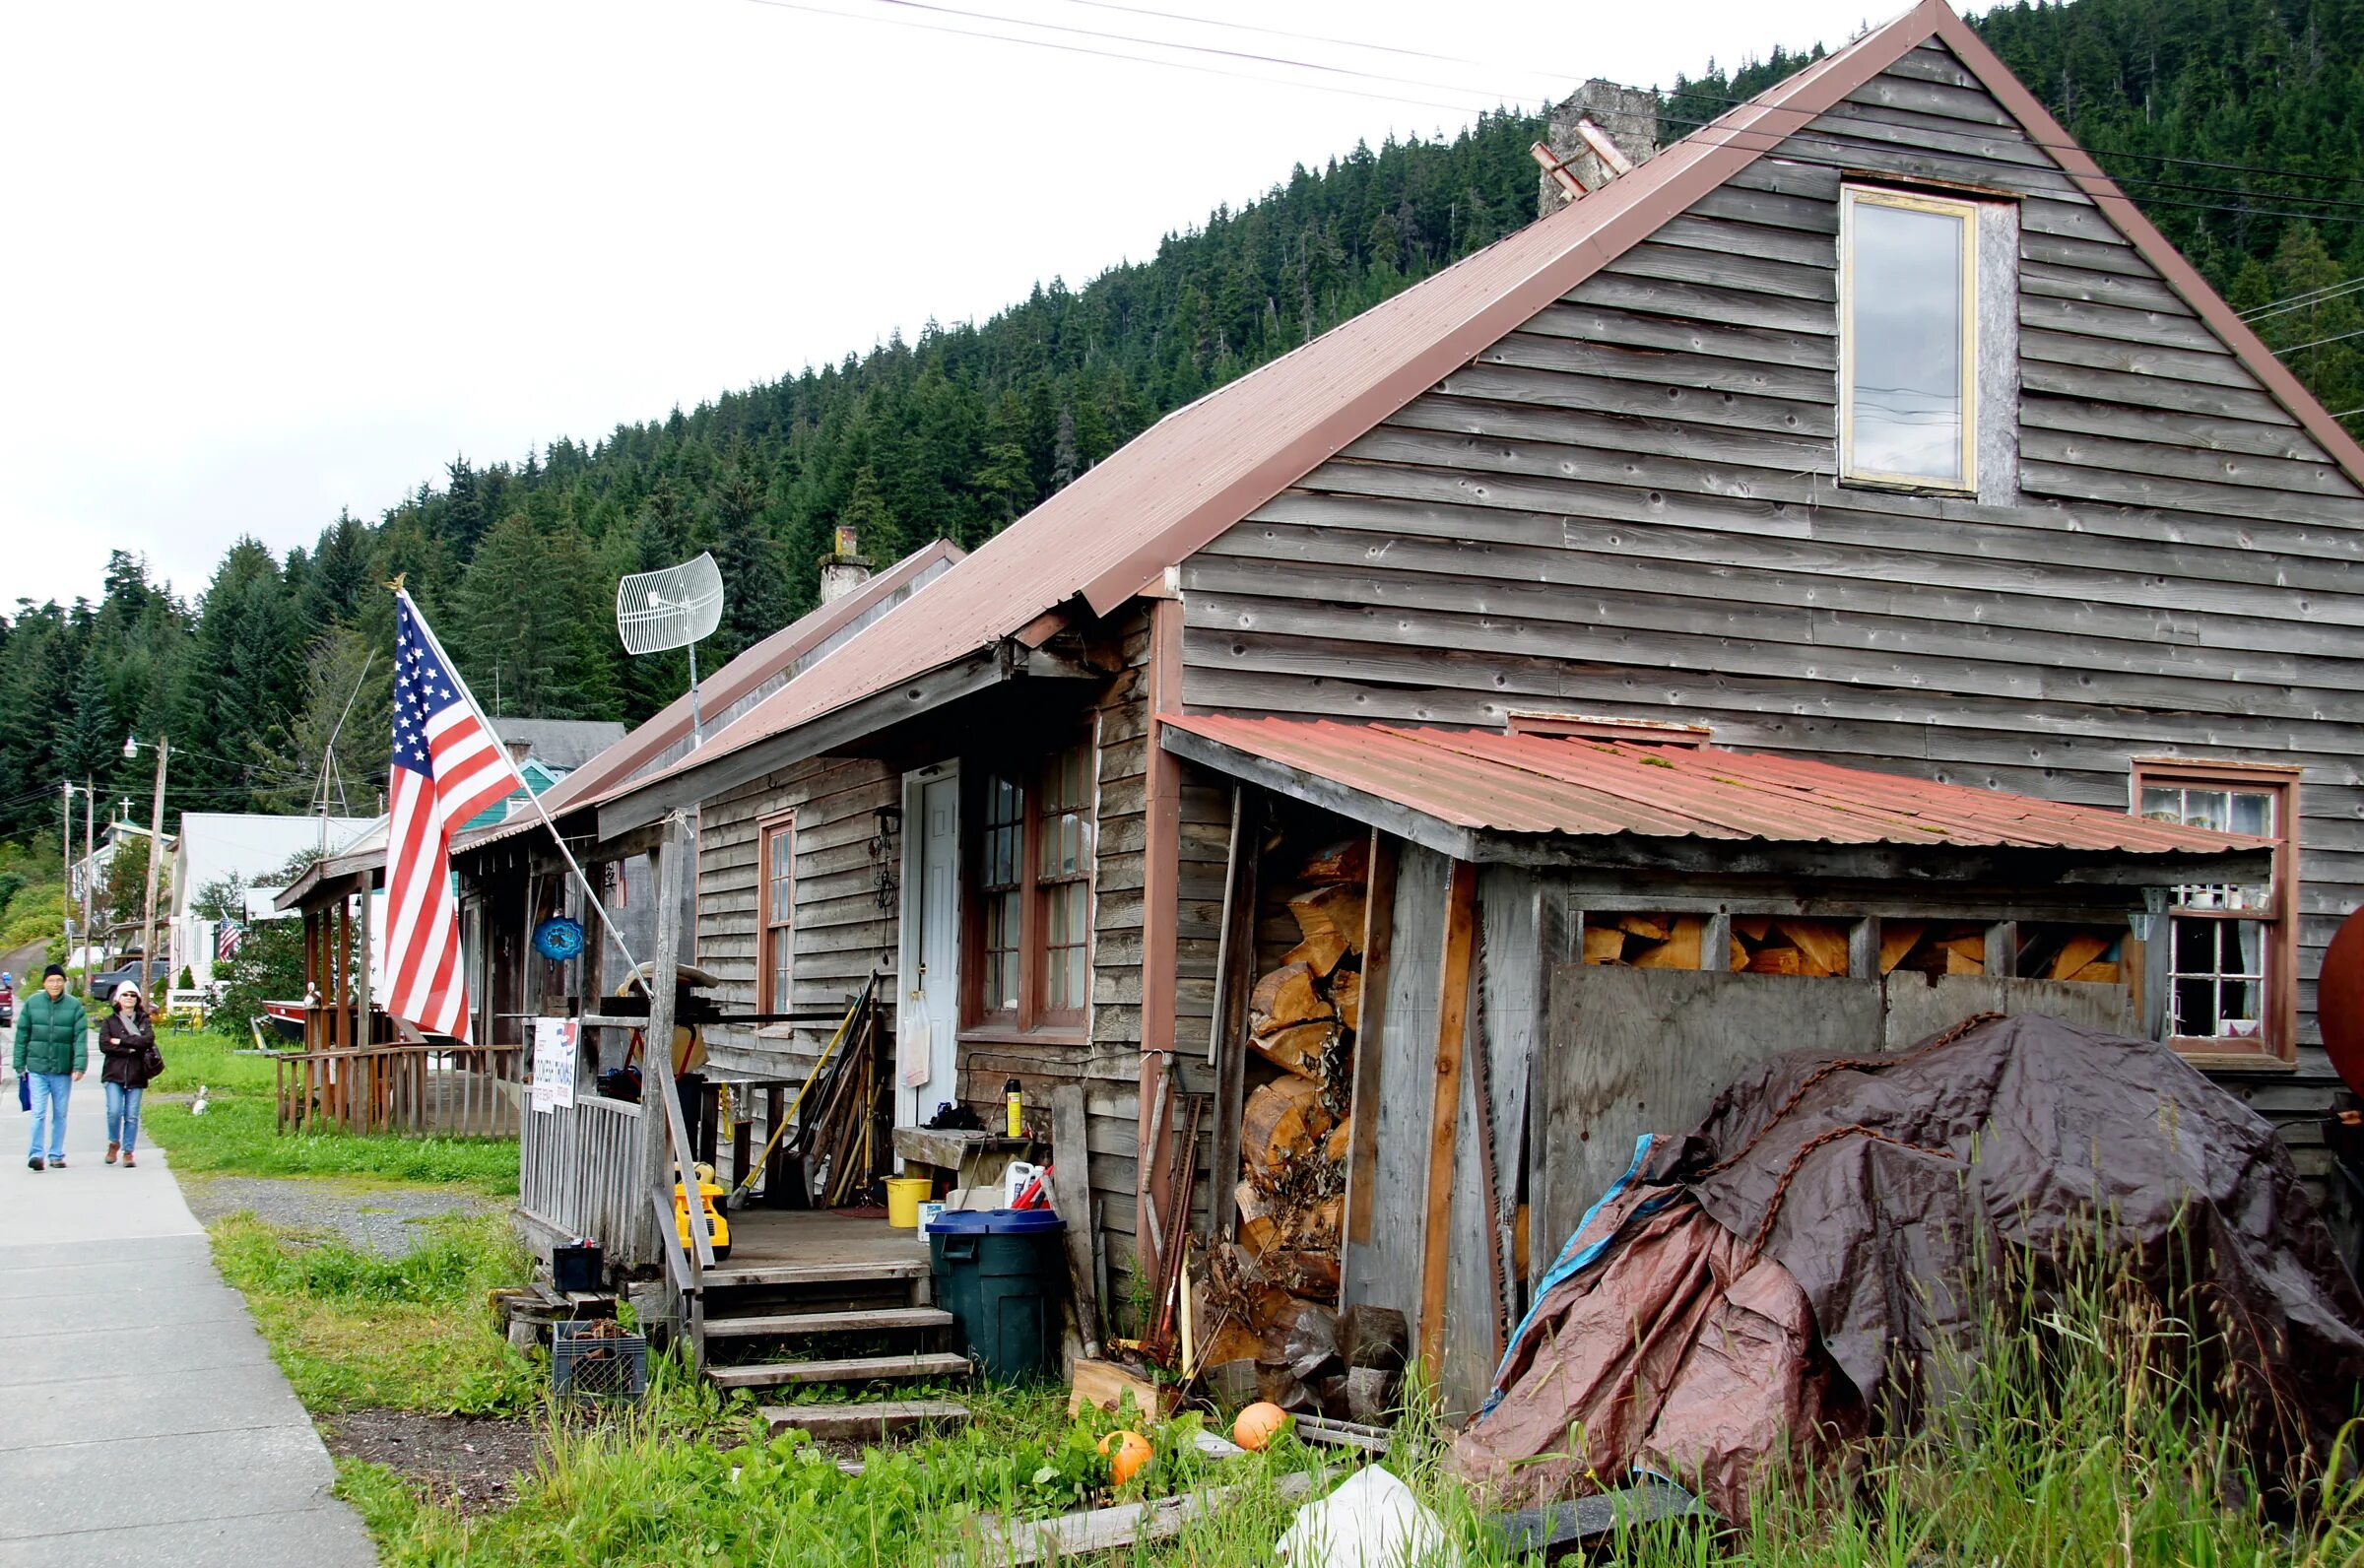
(816, 1274)
(775, 1320)
(865, 1320)
(858, 1422)
(854, 1369)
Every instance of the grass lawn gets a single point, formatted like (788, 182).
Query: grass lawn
(239, 1135)
(354, 1330)
(2071, 1441)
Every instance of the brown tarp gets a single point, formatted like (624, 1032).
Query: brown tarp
(1801, 1258)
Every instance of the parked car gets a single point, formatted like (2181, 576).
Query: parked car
(150, 977)
(8, 1006)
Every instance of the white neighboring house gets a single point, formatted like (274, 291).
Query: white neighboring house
(247, 846)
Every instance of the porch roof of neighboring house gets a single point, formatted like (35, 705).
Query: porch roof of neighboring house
(338, 873)
(1172, 490)
(801, 644)
(1663, 800)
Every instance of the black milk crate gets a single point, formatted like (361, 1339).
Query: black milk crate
(590, 1360)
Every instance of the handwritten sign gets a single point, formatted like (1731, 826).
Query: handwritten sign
(554, 1063)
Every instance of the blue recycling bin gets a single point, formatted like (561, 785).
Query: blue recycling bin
(999, 1272)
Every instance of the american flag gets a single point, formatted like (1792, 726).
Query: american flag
(448, 765)
(228, 939)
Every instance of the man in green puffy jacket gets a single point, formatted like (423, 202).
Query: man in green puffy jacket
(53, 1046)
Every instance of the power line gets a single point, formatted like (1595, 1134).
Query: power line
(2337, 336)
(1111, 54)
(2300, 302)
(1279, 32)
(1194, 48)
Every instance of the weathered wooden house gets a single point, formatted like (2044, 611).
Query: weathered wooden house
(1845, 573)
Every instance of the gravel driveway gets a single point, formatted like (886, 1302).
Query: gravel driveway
(387, 1220)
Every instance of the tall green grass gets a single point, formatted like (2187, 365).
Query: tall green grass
(2078, 1433)
(352, 1330)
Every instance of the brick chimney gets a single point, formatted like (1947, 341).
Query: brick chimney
(843, 570)
(1628, 116)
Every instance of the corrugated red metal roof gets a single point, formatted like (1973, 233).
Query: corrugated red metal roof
(1176, 486)
(1492, 782)
(755, 664)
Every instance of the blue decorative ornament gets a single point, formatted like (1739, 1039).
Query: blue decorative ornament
(559, 938)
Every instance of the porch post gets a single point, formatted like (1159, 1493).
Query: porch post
(368, 1035)
(1452, 1039)
(664, 1134)
(1162, 914)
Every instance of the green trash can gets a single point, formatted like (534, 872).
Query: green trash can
(1000, 1275)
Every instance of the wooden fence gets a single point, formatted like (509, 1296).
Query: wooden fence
(415, 1090)
(581, 1174)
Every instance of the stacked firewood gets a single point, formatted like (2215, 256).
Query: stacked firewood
(1280, 1278)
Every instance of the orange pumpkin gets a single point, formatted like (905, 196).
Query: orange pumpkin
(1256, 1424)
(1133, 1451)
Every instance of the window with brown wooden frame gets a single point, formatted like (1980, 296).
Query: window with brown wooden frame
(1028, 927)
(2232, 949)
(775, 901)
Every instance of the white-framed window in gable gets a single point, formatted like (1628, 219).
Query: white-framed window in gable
(1908, 339)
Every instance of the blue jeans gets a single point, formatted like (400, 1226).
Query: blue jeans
(123, 1115)
(49, 1091)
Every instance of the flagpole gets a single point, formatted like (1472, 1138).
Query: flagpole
(606, 920)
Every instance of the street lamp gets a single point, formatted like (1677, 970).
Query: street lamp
(131, 747)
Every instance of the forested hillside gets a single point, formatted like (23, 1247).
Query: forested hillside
(965, 429)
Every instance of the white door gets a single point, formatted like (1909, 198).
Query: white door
(929, 962)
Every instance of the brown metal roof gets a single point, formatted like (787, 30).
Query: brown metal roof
(760, 661)
(1490, 781)
(1176, 486)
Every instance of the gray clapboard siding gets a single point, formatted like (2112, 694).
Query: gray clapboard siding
(1820, 620)
(1705, 541)
(1500, 380)
(840, 932)
(1531, 590)
(1675, 374)
(1421, 466)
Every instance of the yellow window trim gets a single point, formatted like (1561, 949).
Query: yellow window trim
(1850, 197)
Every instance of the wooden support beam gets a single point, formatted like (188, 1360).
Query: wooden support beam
(1378, 942)
(1234, 978)
(1452, 1041)
(2002, 948)
(1160, 938)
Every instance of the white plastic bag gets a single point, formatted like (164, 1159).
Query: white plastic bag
(1372, 1521)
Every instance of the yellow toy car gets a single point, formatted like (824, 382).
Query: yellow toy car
(718, 1224)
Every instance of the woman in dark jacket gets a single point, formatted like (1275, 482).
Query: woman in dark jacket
(125, 1039)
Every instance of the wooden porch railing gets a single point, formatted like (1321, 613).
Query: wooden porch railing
(415, 1090)
(582, 1172)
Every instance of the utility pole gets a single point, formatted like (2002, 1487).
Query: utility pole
(156, 847)
(90, 875)
(65, 883)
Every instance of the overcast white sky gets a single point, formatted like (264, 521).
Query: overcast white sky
(265, 260)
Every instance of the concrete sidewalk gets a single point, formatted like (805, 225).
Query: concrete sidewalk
(145, 1422)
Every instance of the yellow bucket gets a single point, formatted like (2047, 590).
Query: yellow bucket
(904, 1195)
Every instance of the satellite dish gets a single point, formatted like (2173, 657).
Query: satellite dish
(672, 608)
